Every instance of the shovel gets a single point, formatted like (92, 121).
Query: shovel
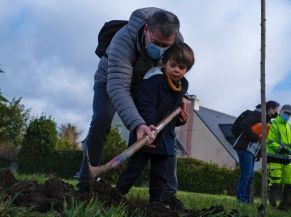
(96, 171)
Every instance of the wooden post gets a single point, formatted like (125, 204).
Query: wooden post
(263, 103)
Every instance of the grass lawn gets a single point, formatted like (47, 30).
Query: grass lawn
(200, 201)
(189, 199)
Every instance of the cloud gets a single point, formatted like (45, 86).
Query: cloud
(226, 75)
(47, 52)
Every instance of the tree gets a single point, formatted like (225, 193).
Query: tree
(68, 137)
(263, 103)
(13, 121)
(2, 98)
(40, 138)
(38, 145)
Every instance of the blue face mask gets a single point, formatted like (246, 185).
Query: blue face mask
(155, 52)
(284, 117)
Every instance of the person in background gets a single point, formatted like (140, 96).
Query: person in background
(279, 142)
(160, 93)
(246, 152)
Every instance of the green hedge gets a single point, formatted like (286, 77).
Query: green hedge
(64, 164)
(4, 163)
(197, 176)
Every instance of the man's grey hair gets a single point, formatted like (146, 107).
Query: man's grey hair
(167, 22)
(286, 108)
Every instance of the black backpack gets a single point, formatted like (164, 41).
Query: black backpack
(106, 34)
(236, 128)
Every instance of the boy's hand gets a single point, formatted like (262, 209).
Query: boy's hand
(144, 130)
(185, 104)
(183, 117)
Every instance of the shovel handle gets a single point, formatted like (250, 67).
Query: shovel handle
(116, 161)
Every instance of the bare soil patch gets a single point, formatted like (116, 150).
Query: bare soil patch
(51, 194)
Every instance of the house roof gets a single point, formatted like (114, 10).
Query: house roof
(219, 124)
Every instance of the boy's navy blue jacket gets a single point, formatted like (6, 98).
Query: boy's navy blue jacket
(154, 101)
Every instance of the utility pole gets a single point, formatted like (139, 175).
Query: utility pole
(263, 103)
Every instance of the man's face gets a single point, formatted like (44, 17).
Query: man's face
(157, 38)
(273, 112)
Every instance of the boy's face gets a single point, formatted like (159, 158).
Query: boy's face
(175, 71)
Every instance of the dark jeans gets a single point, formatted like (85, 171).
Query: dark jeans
(246, 162)
(135, 166)
(171, 187)
(103, 112)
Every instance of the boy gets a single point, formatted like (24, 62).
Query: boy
(160, 93)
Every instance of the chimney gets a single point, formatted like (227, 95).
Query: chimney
(194, 102)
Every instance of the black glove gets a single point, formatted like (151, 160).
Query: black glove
(259, 155)
(257, 158)
(284, 150)
(252, 137)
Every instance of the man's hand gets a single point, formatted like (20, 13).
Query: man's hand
(144, 130)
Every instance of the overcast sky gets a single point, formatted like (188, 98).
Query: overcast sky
(47, 52)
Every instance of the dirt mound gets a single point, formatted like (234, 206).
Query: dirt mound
(51, 194)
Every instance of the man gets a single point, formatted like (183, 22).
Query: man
(134, 49)
(279, 142)
(247, 149)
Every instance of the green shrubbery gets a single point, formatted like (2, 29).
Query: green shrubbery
(39, 152)
(38, 144)
(13, 120)
(114, 146)
(197, 176)
(40, 138)
(68, 137)
(4, 162)
(63, 164)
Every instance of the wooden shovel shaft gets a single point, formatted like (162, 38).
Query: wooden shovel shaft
(116, 161)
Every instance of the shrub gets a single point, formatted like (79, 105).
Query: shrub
(13, 120)
(198, 176)
(68, 137)
(8, 151)
(39, 141)
(114, 146)
(66, 163)
(4, 163)
(64, 145)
